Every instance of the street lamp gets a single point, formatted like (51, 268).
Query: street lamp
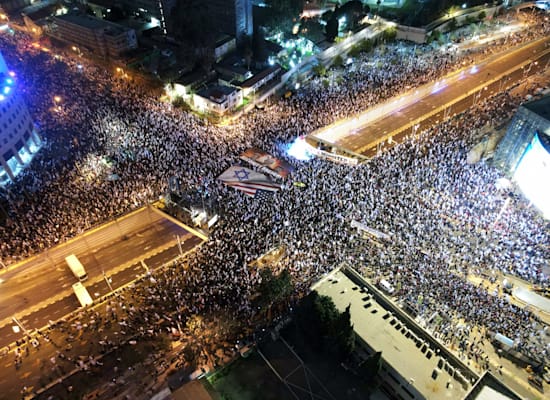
(107, 280)
(77, 50)
(121, 72)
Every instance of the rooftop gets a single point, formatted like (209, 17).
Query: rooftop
(191, 78)
(386, 333)
(194, 390)
(223, 39)
(40, 10)
(490, 388)
(90, 22)
(216, 93)
(540, 107)
(260, 75)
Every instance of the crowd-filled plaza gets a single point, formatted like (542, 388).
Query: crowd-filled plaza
(438, 209)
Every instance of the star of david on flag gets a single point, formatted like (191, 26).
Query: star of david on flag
(248, 181)
(242, 174)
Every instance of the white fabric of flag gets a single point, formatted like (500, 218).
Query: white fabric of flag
(247, 180)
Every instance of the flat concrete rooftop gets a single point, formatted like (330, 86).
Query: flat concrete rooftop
(386, 333)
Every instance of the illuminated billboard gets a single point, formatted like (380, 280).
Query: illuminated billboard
(533, 175)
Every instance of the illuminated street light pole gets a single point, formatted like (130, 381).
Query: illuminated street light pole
(107, 280)
(20, 325)
(77, 50)
(503, 208)
(179, 244)
(57, 103)
(501, 83)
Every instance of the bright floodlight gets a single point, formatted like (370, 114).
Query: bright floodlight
(533, 176)
(299, 149)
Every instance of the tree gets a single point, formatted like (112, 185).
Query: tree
(452, 24)
(470, 20)
(481, 16)
(364, 46)
(337, 61)
(273, 288)
(434, 36)
(353, 11)
(370, 367)
(283, 12)
(343, 334)
(325, 327)
(390, 34)
(327, 15)
(320, 70)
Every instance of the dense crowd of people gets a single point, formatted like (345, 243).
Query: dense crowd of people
(110, 147)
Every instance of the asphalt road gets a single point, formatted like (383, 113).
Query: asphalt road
(425, 106)
(37, 369)
(42, 291)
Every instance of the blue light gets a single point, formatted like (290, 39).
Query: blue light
(438, 86)
(6, 88)
(299, 150)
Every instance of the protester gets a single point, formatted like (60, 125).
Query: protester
(110, 147)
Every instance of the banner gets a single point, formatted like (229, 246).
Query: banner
(267, 163)
(248, 181)
(371, 231)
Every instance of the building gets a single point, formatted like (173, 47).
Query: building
(233, 17)
(524, 152)
(19, 140)
(414, 365)
(223, 46)
(157, 10)
(217, 99)
(187, 84)
(199, 389)
(262, 78)
(14, 5)
(35, 16)
(102, 38)
(489, 387)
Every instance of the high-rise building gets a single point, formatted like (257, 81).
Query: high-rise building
(233, 17)
(19, 140)
(158, 10)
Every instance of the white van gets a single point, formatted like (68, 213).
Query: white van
(76, 267)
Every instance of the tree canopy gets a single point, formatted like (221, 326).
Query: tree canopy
(283, 13)
(275, 288)
(325, 327)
